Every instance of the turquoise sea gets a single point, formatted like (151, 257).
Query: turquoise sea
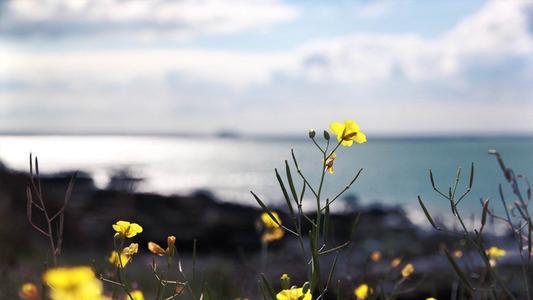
(395, 170)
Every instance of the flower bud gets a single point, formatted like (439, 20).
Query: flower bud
(285, 282)
(326, 135)
(171, 240)
(312, 133)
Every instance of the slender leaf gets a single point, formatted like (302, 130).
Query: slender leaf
(268, 287)
(426, 212)
(291, 183)
(458, 270)
(285, 194)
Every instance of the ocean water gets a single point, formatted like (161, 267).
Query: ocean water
(395, 171)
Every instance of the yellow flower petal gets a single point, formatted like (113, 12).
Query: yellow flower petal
(293, 294)
(127, 229)
(273, 234)
(330, 161)
(407, 270)
(131, 249)
(268, 222)
(348, 132)
(136, 294)
(119, 261)
(337, 128)
(156, 249)
(29, 291)
(351, 126)
(360, 138)
(396, 262)
(347, 143)
(362, 291)
(495, 252)
(77, 283)
(375, 256)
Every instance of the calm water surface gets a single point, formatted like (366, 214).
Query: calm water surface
(395, 170)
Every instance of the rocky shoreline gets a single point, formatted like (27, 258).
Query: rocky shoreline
(223, 230)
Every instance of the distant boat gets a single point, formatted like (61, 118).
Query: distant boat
(227, 134)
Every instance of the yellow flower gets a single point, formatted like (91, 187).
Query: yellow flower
(362, 291)
(458, 253)
(330, 161)
(431, 298)
(375, 256)
(269, 222)
(294, 293)
(119, 261)
(285, 281)
(29, 291)
(396, 262)
(158, 250)
(127, 229)
(495, 252)
(272, 234)
(136, 294)
(407, 270)
(77, 283)
(131, 249)
(171, 241)
(348, 132)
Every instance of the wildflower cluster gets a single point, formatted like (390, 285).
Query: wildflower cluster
(481, 280)
(347, 133)
(487, 280)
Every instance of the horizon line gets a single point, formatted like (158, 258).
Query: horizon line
(229, 134)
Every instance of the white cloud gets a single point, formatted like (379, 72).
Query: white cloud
(477, 74)
(499, 31)
(117, 67)
(138, 19)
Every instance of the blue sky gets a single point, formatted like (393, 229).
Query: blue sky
(272, 66)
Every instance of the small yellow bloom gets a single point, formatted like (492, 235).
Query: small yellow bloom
(77, 283)
(29, 291)
(136, 294)
(268, 222)
(375, 256)
(131, 249)
(158, 250)
(272, 234)
(348, 132)
(431, 298)
(294, 293)
(330, 161)
(458, 253)
(362, 291)
(396, 262)
(285, 281)
(119, 261)
(171, 241)
(495, 252)
(407, 270)
(127, 229)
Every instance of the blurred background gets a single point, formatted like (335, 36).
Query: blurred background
(212, 94)
(203, 99)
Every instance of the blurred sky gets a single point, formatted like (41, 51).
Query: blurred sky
(397, 67)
